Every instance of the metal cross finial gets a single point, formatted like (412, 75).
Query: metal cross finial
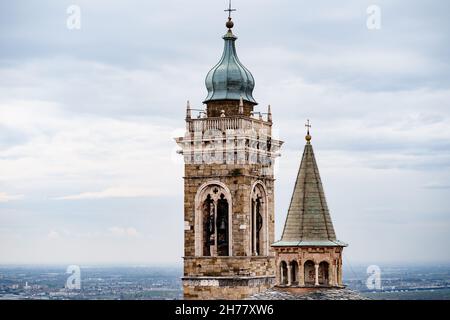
(229, 10)
(307, 125)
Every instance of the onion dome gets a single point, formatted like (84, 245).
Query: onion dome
(229, 79)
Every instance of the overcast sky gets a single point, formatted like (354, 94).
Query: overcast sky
(88, 170)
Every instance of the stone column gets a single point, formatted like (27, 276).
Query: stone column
(316, 266)
(289, 274)
(335, 276)
(253, 213)
(280, 270)
(214, 250)
(330, 275)
(277, 275)
(301, 274)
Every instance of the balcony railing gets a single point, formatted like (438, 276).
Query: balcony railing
(227, 123)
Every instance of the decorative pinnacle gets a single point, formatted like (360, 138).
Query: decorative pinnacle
(241, 106)
(188, 110)
(308, 136)
(229, 23)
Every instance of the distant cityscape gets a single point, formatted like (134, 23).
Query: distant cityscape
(143, 283)
(402, 282)
(116, 283)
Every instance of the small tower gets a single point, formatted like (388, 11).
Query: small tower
(228, 187)
(308, 254)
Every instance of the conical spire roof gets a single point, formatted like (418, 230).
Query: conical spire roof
(308, 222)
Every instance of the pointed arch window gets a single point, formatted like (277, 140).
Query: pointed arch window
(213, 221)
(258, 221)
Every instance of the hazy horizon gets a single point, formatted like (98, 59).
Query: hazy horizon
(180, 264)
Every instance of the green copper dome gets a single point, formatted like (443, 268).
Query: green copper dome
(229, 79)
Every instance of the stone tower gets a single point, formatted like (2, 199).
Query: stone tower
(229, 155)
(308, 254)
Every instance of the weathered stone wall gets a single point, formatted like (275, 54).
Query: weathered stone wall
(229, 266)
(236, 288)
(248, 154)
(239, 179)
(231, 108)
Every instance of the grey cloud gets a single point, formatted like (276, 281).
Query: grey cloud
(83, 111)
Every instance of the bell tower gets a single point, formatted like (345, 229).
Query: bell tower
(309, 255)
(229, 155)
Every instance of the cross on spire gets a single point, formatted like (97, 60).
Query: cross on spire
(229, 10)
(308, 136)
(307, 125)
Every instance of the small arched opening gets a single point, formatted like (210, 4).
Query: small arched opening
(294, 273)
(283, 273)
(323, 273)
(310, 273)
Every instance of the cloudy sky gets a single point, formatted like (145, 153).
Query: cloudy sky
(88, 170)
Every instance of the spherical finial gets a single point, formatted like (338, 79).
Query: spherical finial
(229, 24)
(308, 137)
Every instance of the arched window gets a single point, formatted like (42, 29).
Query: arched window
(213, 221)
(258, 221)
(283, 273)
(294, 272)
(310, 273)
(323, 273)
